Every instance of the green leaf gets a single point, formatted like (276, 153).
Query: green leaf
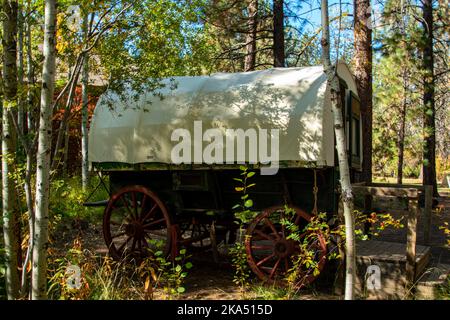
(188, 265)
(248, 203)
(178, 268)
(250, 174)
(183, 251)
(239, 189)
(158, 253)
(181, 289)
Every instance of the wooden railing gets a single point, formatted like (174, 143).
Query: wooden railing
(412, 193)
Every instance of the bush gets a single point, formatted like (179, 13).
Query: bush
(411, 172)
(80, 275)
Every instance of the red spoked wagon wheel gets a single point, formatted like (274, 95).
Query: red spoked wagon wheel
(195, 234)
(135, 223)
(270, 251)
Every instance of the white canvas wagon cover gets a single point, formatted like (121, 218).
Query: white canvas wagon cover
(294, 100)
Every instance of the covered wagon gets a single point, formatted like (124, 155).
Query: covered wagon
(172, 156)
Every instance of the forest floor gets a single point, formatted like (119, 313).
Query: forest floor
(210, 280)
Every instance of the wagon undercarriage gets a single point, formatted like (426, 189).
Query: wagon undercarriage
(165, 211)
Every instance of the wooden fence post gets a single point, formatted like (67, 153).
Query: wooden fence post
(427, 214)
(411, 241)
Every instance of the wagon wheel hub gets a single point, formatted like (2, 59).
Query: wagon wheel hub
(134, 229)
(269, 249)
(283, 248)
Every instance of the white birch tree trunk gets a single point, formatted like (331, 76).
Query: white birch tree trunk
(20, 32)
(30, 153)
(39, 269)
(84, 109)
(10, 220)
(344, 170)
(30, 78)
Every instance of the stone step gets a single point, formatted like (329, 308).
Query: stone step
(390, 258)
(431, 280)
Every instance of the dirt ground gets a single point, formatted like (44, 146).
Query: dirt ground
(210, 280)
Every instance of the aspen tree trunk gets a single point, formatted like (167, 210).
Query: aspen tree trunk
(344, 170)
(20, 109)
(30, 155)
(250, 57)
(84, 110)
(363, 77)
(30, 77)
(278, 33)
(30, 208)
(10, 221)
(39, 269)
(429, 152)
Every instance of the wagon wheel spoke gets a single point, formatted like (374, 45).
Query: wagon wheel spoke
(297, 219)
(271, 226)
(145, 246)
(144, 201)
(286, 264)
(265, 236)
(183, 230)
(261, 247)
(124, 244)
(139, 243)
(274, 269)
(194, 227)
(125, 201)
(133, 246)
(147, 225)
(283, 227)
(147, 215)
(265, 259)
(118, 235)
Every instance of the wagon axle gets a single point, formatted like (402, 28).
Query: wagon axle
(134, 229)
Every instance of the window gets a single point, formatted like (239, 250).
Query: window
(355, 136)
(354, 126)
